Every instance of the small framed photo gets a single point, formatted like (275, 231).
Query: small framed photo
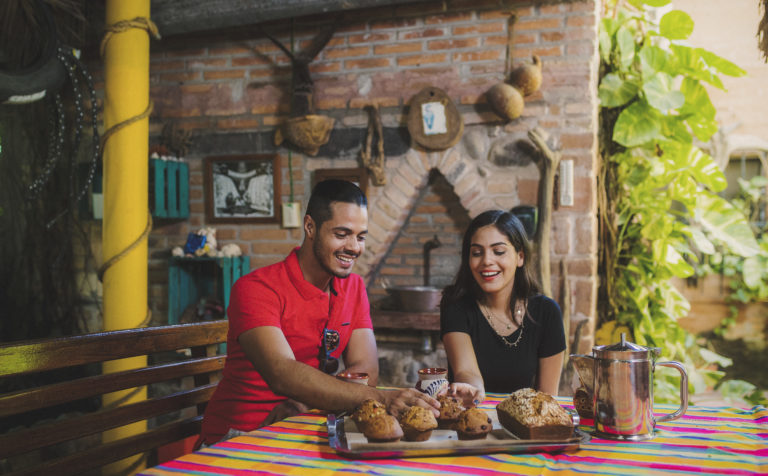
(433, 118)
(358, 176)
(242, 189)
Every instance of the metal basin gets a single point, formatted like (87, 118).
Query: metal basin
(416, 298)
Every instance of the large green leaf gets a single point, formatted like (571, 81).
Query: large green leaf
(660, 92)
(674, 302)
(676, 25)
(675, 129)
(701, 242)
(752, 272)
(721, 64)
(713, 358)
(614, 91)
(696, 99)
(677, 264)
(653, 59)
(625, 40)
(606, 44)
(726, 224)
(699, 165)
(702, 127)
(637, 125)
(609, 25)
(689, 61)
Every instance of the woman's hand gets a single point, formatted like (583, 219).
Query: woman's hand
(469, 395)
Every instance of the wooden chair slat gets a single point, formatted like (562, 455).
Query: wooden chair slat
(115, 451)
(51, 354)
(58, 393)
(31, 439)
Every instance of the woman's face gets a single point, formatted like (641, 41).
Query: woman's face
(493, 260)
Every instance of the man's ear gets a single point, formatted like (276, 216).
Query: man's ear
(309, 227)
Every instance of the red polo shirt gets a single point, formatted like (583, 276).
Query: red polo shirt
(277, 295)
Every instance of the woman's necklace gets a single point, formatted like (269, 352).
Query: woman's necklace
(490, 317)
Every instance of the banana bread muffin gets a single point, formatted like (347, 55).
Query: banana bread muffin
(367, 410)
(450, 408)
(382, 428)
(418, 423)
(473, 424)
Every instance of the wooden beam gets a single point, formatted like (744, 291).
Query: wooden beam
(176, 17)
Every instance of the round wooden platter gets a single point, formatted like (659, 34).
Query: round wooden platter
(442, 126)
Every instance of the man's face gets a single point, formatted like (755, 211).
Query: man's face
(341, 240)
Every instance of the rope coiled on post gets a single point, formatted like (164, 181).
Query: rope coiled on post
(149, 26)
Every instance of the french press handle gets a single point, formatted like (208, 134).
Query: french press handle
(683, 391)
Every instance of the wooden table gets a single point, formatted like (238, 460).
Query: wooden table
(707, 440)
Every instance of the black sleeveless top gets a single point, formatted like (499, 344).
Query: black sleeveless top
(506, 369)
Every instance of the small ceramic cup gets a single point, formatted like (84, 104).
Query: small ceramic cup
(354, 377)
(432, 381)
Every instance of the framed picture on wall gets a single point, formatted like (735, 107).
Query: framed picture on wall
(358, 176)
(242, 189)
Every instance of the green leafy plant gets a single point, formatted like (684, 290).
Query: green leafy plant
(747, 278)
(659, 207)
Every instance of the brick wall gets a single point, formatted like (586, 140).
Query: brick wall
(233, 90)
(437, 212)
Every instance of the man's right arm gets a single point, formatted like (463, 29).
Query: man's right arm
(271, 356)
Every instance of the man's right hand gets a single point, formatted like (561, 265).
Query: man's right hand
(398, 401)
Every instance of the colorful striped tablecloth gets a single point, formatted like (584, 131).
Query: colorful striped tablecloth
(706, 440)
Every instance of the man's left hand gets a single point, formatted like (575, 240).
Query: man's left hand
(284, 410)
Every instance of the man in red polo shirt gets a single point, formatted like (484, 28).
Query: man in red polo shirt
(290, 322)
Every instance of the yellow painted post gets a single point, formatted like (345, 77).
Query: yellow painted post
(126, 71)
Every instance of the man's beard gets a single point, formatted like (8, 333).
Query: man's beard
(319, 257)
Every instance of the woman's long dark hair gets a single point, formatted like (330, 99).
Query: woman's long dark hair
(524, 286)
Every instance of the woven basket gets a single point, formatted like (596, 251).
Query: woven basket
(307, 133)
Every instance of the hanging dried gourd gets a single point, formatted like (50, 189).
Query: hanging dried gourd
(506, 101)
(527, 77)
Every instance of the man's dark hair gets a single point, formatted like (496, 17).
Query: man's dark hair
(329, 191)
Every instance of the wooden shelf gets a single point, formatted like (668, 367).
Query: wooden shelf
(425, 321)
(189, 279)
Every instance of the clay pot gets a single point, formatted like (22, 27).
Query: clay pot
(506, 101)
(354, 377)
(416, 298)
(527, 77)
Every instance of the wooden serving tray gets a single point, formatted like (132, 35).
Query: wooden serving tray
(347, 440)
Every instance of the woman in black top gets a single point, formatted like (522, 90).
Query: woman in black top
(499, 332)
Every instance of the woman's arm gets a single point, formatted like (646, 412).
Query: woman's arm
(461, 357)
(548, 378)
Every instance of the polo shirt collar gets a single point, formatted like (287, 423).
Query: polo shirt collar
(306, 289)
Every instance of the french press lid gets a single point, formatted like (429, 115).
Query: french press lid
(625, 350)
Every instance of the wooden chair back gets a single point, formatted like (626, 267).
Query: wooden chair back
(55, 356)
